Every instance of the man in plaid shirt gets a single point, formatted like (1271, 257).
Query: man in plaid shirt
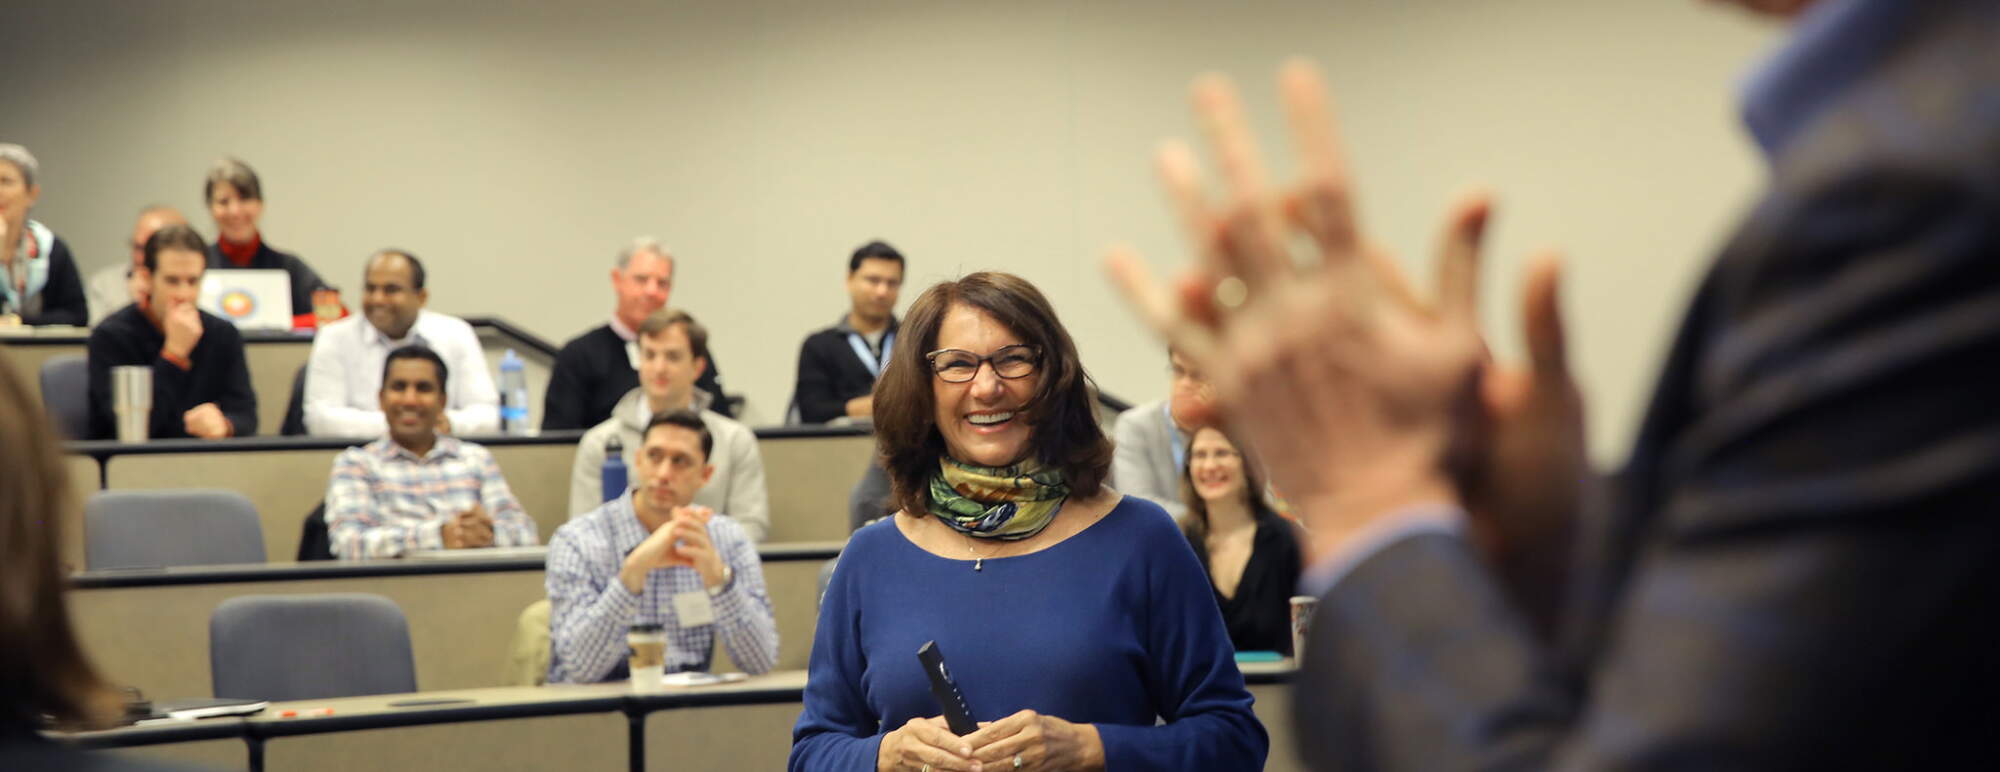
(416, 489)
(647, 557)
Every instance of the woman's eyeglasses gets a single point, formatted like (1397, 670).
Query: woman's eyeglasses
(958, 365)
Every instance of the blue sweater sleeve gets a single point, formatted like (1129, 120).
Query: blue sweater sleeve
(836, 730)
(1208, 723)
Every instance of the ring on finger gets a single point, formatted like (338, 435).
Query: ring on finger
(1017, 761)
(1231, 292)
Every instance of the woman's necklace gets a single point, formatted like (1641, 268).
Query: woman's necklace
(978, 560)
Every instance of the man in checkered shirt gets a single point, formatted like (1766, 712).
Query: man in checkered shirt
(648, 557)
(416, 488)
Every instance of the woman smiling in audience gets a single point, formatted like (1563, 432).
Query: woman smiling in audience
(1076, 621)
(1252, 554)
(236, 201)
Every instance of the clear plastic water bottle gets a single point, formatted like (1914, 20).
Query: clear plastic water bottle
(514, 395)
(614, 469)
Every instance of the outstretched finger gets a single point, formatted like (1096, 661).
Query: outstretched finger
(1157, 307)
(1542, 317)
(1324, 202)
(1187, 191)
(1459, 248)
(1253, 248)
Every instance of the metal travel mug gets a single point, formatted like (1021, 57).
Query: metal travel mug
(1302, 617)
(132, 401)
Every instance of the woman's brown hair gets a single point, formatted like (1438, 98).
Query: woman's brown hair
(42, 669)
(235, 174)
(1195, 524)
(1062, 411)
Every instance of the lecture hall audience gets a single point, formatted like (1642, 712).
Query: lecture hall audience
(344, 372)
(595, 370)
(235, 199)
(1152, 440)
(838, 365)
(1252, 555)
(673, 351)
(39, 281)
(652, 557)
(415, 489)
(116, 286)
(201, 382)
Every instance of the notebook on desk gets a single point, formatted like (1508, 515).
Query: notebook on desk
(201, 707)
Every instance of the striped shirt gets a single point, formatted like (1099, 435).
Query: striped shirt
(383, 500)
(590, 610)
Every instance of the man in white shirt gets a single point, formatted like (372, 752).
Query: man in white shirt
(673, 351)
(344, 375)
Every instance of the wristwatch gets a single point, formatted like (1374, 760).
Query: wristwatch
(728, 575)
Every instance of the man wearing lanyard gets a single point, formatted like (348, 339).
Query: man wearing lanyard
(838, 365)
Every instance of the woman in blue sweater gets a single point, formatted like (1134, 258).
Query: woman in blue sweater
(1077, 622)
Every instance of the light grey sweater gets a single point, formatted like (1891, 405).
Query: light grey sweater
(737, 489)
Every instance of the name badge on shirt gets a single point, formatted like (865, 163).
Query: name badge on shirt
(693, 608)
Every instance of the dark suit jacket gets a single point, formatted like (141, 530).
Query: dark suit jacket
(1800, 568)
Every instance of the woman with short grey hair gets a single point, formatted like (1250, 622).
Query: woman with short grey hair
(41, 283)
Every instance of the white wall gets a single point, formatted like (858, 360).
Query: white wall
(517, 145)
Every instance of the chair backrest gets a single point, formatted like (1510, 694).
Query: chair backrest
(159, 528)
(66, 394)
(295, 410)
(308, 647)
(528, 655)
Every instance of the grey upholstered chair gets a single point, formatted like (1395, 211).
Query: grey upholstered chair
(308, 647)
(66, 394)
(159, 528)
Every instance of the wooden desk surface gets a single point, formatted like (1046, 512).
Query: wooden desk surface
(745, 725)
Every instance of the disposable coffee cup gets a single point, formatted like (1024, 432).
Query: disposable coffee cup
(132, 401)
(648, 660)
(1302, 619)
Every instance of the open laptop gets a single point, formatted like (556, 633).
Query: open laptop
(252, 299)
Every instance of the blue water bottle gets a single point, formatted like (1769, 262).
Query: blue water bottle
(513, 395)
(614, 468)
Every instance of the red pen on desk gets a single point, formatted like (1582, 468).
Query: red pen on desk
(307, 713)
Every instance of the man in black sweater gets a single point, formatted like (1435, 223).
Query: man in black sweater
(201, 385)
(596, 369)
(838, 365)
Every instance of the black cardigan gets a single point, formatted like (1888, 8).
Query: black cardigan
(1259, 618)
(63, 301)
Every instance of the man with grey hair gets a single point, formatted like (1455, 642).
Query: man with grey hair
(596, 369)
(116, 286)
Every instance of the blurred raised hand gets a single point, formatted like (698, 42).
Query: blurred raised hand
(1364, 399)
